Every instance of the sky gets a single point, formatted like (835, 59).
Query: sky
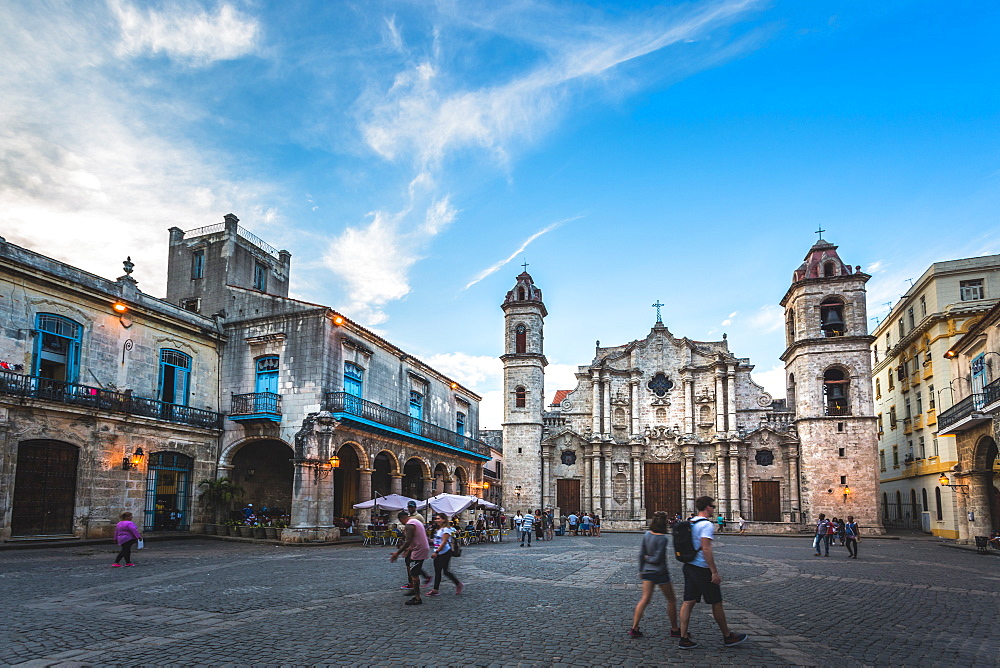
(412, 155)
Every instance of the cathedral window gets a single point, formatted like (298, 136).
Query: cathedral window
(835, 392)
(520, 339)
(660, 384)
(831, 313)
(520, 397)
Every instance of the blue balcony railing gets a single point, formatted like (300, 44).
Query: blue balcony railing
(256, 405)
(342, 402)
(73, 394)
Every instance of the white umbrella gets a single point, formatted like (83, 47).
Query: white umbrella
(390, 502)
(449, 504)
(483, 503)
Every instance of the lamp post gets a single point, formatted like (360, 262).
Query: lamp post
(945, 482)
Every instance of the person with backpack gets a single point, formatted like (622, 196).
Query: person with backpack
(442, 554)
(693, 546)
(822, 531)
(851, 537)
(654, 573)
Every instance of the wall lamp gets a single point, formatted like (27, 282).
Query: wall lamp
(134, 460)
(944, 482)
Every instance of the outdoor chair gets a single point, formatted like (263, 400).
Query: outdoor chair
(370, 538)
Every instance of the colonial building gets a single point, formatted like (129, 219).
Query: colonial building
(321, 412)
(657, 422)
(108, 401)
(974, 421)
(914, 383)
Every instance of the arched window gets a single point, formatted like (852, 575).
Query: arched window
(520, 397)
(704, 415)
(923, 497)
(790, 392)
(835, 394)
(520, 294)
(520, 339)
(175, 367)
(831, 315)
(829, 269)
(57, 348)
(885, 505)
(790, 327)
(937, 503)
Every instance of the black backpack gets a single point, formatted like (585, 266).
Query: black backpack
(684, 548)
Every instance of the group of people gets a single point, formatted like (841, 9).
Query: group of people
(540, 522)
(830, 530)
(701, 575)
(416, 548)
(587, 524)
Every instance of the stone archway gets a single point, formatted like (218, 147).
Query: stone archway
(414, 472)
(440, 485)
(984, 489)
(265, 471)
(347, 482)
(461, 480)
(384, 467)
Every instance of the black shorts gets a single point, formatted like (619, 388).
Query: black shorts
(657, 578)
(416, 567)
(698, 584)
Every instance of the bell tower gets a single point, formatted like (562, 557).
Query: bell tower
(524, 394)
(828, 379)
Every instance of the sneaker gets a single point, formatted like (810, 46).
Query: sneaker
(522, 544)
(414, 601)
(459, 588)
(687, 643)
(116, 565)
(734, 639)
(675, 633)
(817, 555)
(432, 592)
(826, 555)
(634, 633)
(406, 586)
(130, 564)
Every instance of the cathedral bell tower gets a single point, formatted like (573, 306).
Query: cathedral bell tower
(524, 397)
(828, 379)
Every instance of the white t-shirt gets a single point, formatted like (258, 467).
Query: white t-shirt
(439, 538)
(701, 528)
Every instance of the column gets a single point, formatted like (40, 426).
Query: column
(303, 497)
(546, 472)
(585, 483)
(692, 470)
(720, 405)
(734, 482)
(396, 484)
(633, 409)
(449, 485)
(425, 485)
(685, 481)
(596, 402)
(688, 405)
(793, 486)
(606, 430)
(595, 470)
(365, 492)
(606, 477)
(720, 482)
(633, 497)
(744, 485)
(731, 399)
(966, 529)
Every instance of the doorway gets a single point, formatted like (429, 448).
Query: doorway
(168, 485)
(663, 488)
(44, 488)
(766, 500)
(568, 495)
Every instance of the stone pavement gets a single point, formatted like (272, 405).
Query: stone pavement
(565, 602)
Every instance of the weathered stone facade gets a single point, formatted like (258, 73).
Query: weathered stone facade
(655, 423)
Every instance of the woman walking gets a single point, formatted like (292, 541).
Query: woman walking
(653, 572)
(126, 535)
(442, 554)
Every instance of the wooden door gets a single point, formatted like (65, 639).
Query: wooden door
(766, 500)
(568, 496)
(44, 488)
(663, 488)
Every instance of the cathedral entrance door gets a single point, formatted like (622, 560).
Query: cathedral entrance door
(663, 488)
(766, 499)
(568, 496)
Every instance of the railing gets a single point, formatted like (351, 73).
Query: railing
(207, 229)
(492, 475)
(46, 389)
(256, 403)
(960, 411)
(907, 425)
(991, 393)
(342, 402)
(780, 421)
(838, 409)
(257, 241)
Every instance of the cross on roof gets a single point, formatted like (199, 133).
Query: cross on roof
(657, 306)
(820, 232)
(525, 265)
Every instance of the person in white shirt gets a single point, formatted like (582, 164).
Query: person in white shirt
(527, 524)
(443, 553)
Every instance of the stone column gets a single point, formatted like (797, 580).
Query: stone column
(425, 486)
(595, 484)
(396, 484)
(365, 492)
(606, 479)
(793, 485)
(688, 405)
(596, 401)
(587, 477)
(734, 482)
(449, 485)
(543, 492)
(633, 409)
(720, 481)
(720, 405)
(745, 484)
(963, 499)
(731, 399)
(302, 512)
(691, 480)
(606, 430)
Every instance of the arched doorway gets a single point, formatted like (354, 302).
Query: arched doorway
(44, 488)
(461, 481)
(265, 471)
(987, 464)
(168, 492)
(413, 479)
(440, 475)
(382, 470)
(346, 482)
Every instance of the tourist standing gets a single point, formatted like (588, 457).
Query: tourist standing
(654, 573)
(574, 522)
(527, 523)
(416, 547)
(127, 535)
(743, 522)
(851, 537)
(442, 554)
(563, 523)
(539, 525)
(702, 578)
(585, 524)
(722, 523)
(518, 520)
(822, 529)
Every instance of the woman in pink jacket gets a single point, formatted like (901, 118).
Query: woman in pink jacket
(127, 535)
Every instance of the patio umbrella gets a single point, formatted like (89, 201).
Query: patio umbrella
(389, 502)
(449, 504)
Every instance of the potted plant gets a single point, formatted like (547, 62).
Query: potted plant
(271, 531)
(258, 530)
(234, 528)
(219, 495)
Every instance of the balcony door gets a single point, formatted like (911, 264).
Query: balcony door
(267, 374)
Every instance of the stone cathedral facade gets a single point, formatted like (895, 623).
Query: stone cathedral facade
(657, 422)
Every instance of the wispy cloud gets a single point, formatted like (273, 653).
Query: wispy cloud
(492, 269)
(185, 33)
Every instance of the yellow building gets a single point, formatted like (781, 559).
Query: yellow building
(913, 384)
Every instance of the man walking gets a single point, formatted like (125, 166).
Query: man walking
(702, 579)
(851, 537)
(527, 524)
(822, 530)
(417, 548)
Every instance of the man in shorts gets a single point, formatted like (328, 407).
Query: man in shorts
(702, 579)
(416, 547)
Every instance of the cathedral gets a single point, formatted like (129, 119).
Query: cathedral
(657, 422)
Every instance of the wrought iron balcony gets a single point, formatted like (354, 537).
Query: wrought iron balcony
(73, 394)
(365, 412)
(964, 415)
(991, 397)
(837, 408)
(256, 406)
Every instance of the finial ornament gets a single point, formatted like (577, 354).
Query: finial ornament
(657, 306)
(127, 264)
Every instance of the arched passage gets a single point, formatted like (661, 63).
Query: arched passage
(264, 469)
(986, 496)
(461, 481)
(440, 476)
(383, 467)
(346, 482)
(414, 473)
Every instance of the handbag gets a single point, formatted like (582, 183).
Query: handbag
(456, 549)
(140, 544)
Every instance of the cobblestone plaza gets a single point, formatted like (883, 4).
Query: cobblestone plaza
(568, 602)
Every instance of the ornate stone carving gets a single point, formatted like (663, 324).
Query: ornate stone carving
(568, 457)
(764, 400)
(764, 457)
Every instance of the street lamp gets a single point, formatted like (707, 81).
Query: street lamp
(944, 482)
(133, 461)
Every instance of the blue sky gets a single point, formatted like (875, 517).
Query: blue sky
(405, 151)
